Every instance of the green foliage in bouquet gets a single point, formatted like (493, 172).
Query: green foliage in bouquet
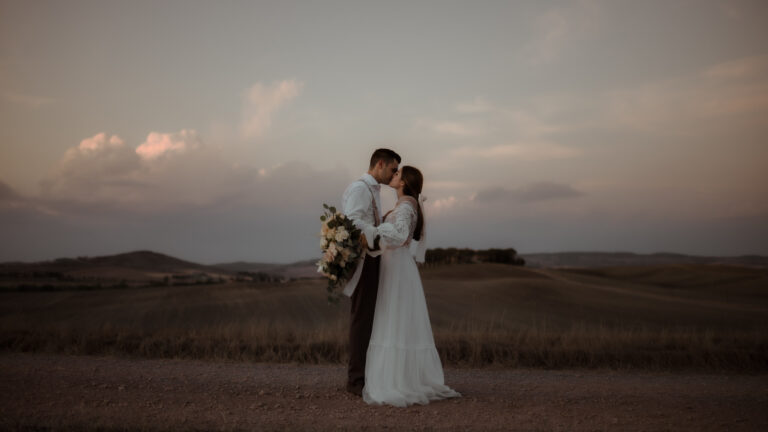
(340, 241)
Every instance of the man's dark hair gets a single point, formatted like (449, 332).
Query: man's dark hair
(386, 155)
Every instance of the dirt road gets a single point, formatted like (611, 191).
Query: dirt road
(39, 391)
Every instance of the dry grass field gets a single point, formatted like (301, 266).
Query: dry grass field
(663, 317)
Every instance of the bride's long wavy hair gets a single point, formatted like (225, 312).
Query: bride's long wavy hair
(413, 182)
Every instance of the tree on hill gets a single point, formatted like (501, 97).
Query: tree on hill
(441, 256)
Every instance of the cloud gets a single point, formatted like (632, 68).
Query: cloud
(7, 194)
(477, 106)
(487, 118)
(687, 104)
(97, 157)
(28, 101)
(691, 130)
(553, 28)
(99, 142)
(103, 168)
(13, 202)
(173, 170)
(528, 124)
(435, 207)
(456, 128)
(559, 27)
(260, 102)
(190, 203)
(710, 98)
(441, 185)
(755, 66)
(535, 151)
(159, 144)
(538, 191)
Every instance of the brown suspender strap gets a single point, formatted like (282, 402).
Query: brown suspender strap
(376, 219)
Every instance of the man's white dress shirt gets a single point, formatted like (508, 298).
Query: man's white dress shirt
(362, 204)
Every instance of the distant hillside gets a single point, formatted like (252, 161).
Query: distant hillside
(299, 269)
(137, 260)
(144, 268)
(139, 269)
(131, 269)
(147, 260)
(609, 259)
(307, 268)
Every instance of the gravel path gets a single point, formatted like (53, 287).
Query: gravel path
(89, 393)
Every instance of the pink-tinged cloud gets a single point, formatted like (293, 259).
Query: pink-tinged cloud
(159, 144)
(443, 206)
(524, 151)
(261, 102)
(533, 192)
(746, 67)
(443, 203)
(100, 141)
(98, 160)
(94, 146)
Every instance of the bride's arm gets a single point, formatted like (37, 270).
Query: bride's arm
(395, 234)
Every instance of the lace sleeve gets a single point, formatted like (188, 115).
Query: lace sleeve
(395, 234)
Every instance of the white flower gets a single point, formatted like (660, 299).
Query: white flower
(323, 242)
(330, 234)
(332, 277)
(341, 234)
(328, 256)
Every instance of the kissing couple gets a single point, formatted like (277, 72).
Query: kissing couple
(392, 354)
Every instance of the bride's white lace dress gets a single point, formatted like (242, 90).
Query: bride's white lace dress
(402, 366)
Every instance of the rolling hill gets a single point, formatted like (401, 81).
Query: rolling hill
(607, 259)
(662, 316)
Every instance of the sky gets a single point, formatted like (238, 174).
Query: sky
(215, 131)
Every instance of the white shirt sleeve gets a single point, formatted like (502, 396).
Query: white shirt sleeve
(357, 204)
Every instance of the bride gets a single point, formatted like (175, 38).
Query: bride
(402, 365)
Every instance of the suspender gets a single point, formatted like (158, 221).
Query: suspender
(376, 219)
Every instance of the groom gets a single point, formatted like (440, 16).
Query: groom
(362, 204)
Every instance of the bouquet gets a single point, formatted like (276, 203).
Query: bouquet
(340, 241)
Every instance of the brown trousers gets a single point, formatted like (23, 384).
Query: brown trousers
(363, 305)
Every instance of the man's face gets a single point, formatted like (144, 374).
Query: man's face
(388, 171)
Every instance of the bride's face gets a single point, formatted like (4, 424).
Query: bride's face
(396, 182)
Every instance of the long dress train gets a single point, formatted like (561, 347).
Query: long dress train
(402, 364)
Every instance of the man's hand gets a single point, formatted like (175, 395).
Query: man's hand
(376, 243)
